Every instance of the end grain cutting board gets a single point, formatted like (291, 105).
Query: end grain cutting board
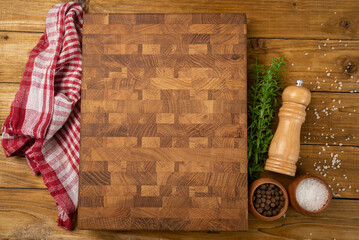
(164, 123)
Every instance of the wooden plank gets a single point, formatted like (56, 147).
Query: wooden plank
(15, 173)
(15, 49)
(323, 65)
(332, 118)
(284, 19)
(31, 214)
(20, 16)
(7, 95)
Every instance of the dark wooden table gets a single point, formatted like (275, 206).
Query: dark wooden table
(320, 42)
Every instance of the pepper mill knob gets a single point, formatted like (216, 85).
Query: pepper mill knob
(283, 151)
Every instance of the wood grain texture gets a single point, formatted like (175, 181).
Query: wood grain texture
(273, 19)
(17, 16)
(14, 172)
(326, 129)
(31, 214)
(7, 95)
(341, 62)
(173, 132)
(323, 65)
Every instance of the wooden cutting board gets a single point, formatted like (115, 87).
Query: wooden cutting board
(164, 122)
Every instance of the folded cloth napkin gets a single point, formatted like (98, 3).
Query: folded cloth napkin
(44, 121)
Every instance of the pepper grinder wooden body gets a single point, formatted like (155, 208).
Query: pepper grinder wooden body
(283, 152)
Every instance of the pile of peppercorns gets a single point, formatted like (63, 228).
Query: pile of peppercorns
(268, 199)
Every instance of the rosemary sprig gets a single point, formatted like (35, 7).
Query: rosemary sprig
(264, 89)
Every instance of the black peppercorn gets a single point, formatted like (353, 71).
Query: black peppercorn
(268, 200)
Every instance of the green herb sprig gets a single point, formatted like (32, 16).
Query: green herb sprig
(264, 89)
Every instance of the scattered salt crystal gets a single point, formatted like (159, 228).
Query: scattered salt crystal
(332, 47)
(308, 68)
(311, 194)
(324, 54)
(306, 53)
(345, 45)
(292, 64)
(328, 74)
(324, 44)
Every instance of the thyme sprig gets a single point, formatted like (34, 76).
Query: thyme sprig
(264, 89)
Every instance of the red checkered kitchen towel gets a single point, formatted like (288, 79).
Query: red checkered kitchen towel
(44, 122)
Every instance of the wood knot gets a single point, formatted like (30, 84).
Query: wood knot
(257, 43)
(344, 24)
(351, 68)
(5, 37)
(348, 64)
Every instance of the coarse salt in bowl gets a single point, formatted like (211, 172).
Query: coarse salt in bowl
(309, 195)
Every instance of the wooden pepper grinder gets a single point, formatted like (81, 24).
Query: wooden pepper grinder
(284, 149)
